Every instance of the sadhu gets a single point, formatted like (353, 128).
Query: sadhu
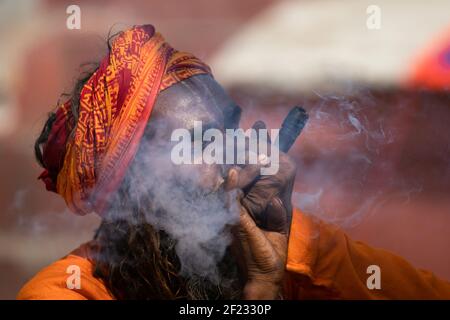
(196, 232)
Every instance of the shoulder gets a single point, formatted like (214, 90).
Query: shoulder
(70, 278)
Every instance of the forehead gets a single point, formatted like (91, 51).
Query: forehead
(199, 98)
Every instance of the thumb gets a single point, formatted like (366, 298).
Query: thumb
(254, 238)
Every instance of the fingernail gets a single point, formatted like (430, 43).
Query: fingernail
(263, 159)
(231, 178)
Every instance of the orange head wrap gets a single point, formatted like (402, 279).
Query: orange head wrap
(87, 160)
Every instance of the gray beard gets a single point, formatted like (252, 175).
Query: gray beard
(229, 286)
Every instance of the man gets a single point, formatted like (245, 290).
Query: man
(203, 231)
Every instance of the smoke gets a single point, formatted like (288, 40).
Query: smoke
(195, 216)
(352, 175)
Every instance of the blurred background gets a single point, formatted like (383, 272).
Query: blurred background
(374, 157)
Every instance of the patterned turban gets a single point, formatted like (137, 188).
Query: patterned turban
(86, 159)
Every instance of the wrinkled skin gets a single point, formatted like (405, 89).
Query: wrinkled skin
(260, 239)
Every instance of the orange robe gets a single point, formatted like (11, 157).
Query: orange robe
(323, 263)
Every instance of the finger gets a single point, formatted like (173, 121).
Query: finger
(276, 217)
(259, 125)
(279, 243)
(232, 179)
(256, 205)
(254, 237)
(276, 228)
(240, 178)
(248, 175)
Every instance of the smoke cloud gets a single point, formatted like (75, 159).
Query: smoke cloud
(196, 218)
(349, 136)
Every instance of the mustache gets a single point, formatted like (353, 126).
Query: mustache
(212, 186)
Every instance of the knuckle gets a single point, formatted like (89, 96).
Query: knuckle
(288, 170)
(291, 162)
(252, 205)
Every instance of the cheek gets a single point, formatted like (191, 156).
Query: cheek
(208, 177)
(199, 176)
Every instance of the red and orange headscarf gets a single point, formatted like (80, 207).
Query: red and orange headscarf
(87, 160)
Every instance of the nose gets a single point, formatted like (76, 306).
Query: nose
(211, 177)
